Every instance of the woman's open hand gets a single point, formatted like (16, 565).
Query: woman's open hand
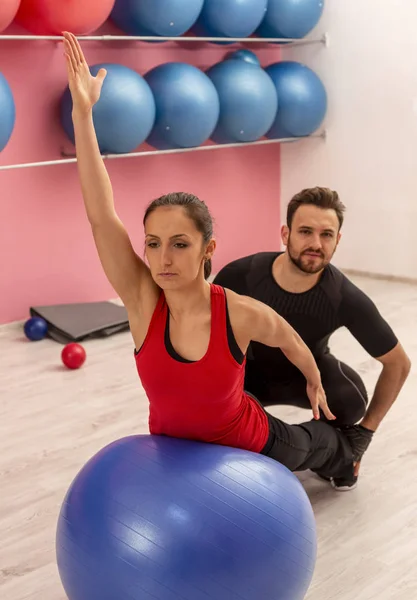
(85, 88)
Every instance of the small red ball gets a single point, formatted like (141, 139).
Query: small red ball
(73, 356)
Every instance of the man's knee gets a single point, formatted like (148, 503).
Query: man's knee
(347, 414)
(345, 391)
(348, 402)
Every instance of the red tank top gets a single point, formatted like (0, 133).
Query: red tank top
(202, 400)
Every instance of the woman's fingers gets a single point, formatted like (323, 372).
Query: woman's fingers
(315, 407)
(76, 48)
(325, 407)
(70, 52)
(71, 72)
(318, 400)
(79, 50)
(328, 413)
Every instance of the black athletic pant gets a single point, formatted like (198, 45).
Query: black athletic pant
(345, 391)
(314, 445)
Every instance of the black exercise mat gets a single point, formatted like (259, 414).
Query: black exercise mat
(77, 322)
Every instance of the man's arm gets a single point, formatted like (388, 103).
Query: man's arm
(395, 369)
(361, 316)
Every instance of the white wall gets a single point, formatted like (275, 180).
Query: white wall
(370, 155)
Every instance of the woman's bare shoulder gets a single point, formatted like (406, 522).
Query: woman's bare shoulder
(250, 318)
(244, 313)
(242, 304)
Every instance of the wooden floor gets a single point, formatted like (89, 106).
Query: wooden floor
(52, 420)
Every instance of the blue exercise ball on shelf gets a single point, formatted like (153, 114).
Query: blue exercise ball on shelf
(170, 519)
(166, 18)
(35, 329)
(187, 106)
(123, 116)
(7, 112)
(230, 18)
(302, 100)
(290, 18)
(248, 101)
(245, 55)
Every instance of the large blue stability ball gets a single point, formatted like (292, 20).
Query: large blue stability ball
(123, 116)
(167, 18)
(290, 18)
(248, 101)
(187, 106)
(7, 112)
(302, 100)
(230, 18)
(158, 518)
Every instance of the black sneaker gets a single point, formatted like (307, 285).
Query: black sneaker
(340, 484)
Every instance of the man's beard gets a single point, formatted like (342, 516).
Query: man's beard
(307, 267)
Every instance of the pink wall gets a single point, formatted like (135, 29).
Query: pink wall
(47, 254)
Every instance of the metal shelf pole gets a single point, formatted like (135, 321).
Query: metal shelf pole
(134, 38)
(68, 159)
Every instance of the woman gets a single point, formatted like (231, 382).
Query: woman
(191, 337)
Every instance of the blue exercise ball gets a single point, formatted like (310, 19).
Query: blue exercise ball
(248, 101)
(246, 55)
(302, 100)
(230, 18)
(123, 116)
(167, 18)
(169, 519)
(290, 18)
(35, 328)
(7, 112)
(187, 106)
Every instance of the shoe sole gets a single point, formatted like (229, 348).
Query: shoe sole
(342, 488)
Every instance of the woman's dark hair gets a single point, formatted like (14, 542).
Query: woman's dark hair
(318, 196)
(195, 209)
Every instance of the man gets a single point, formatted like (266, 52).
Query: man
(317, 299)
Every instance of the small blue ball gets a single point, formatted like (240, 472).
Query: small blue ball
(36, 329)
